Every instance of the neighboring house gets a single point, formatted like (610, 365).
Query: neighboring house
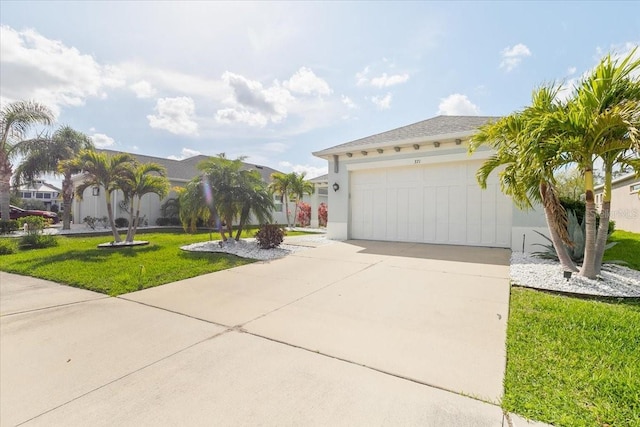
(625, 202)
(320, 195)
(179, 173)
(40, 191)
(418, 184)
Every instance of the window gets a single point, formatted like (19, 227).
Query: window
(323, 191)
(47, 195)
(635, 188)
(26, 194)
(39, 195)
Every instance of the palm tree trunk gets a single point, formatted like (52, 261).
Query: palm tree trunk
(551, 209)
(605, 215)
(286, 207)
(132, 221)
(588, 265)
(5, 186)
(136, 221)
(295, 213)
(67, 197)
(114, 230)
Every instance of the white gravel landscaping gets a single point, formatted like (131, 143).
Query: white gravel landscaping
(248, 248)
(532, 272)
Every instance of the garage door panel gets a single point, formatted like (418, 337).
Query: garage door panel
(429, 203)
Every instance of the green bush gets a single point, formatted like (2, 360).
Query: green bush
(122, 222)
(269, 236)
(38, 241)
(164, 221)
(8, 246)
(35, 224)
(7, 227)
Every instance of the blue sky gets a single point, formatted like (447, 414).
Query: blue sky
(276, 81)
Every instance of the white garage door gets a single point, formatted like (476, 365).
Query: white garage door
(431, 204)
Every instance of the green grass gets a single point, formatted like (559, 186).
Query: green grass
(573, 362)
(77, 261)
(627, 249)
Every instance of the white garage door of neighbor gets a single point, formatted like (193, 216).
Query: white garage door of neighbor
(440, 203)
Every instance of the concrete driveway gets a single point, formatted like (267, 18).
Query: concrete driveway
(352, 333)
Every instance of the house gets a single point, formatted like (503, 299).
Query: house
(179, 172)
(417, 183)
(40, 191)
(625, 202)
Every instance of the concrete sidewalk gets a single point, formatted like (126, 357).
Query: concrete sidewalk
(344, 334)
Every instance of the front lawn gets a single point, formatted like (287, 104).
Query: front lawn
(627, 249)
(76, 261)
(573, 362)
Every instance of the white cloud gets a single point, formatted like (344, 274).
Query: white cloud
(312, 171)
(35, 67)
(305, 81)
(239, 115)
(143, 89)
(512, 56)
(571, 71)
(185, 153)
(361, 77)
(457, 105)
(385, 81)
(348, 102)
(275, 147)
(174, 115)
(101, 140)
(383, 103)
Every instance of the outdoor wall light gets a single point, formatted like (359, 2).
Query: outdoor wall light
(380, 150)
(95, 191)
(396, 149)
(349, 154)
(336, 186)
(364, 153)
(436, 144)
(416, 146)
(458, 141)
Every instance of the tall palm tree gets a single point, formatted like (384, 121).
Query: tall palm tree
(602, 119)
(141, 179)
(298, 187)
(46, 157)
(103, 170)
(281, 184)
(521, 139)
(254, 197)
(16, 119)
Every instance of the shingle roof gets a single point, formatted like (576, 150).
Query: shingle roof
(440, 125)
(321, 178)
(186, 169)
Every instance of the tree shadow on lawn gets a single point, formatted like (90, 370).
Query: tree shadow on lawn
(90, 255)
(214, 257)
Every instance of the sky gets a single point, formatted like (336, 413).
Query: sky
(276, 81)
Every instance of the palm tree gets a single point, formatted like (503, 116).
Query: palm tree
(103, 170)
(46, 157)
(602, 119)
(142, 179)
(281, 184)
(522, 139)
(298, 187)
(193, 204)
(253, 196)
(16, 119)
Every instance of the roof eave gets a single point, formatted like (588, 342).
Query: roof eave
(326, 154)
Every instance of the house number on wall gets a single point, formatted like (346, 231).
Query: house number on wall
(415, 162)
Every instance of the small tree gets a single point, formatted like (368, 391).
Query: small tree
(323, 214)
(304, 214)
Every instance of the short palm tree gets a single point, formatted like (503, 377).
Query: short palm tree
(16, 119)
(281, 184)
(142, 179)
(298, 187)
(48, 155)
(103, 170)
(193, 204)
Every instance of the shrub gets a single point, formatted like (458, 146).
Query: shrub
(323, 214)
(36, 241)
(269, 236)
(93, 222)
(35, 224)
(122, 222)
(8, 247)
(304, 214)
(164, 221)
(7, 227)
